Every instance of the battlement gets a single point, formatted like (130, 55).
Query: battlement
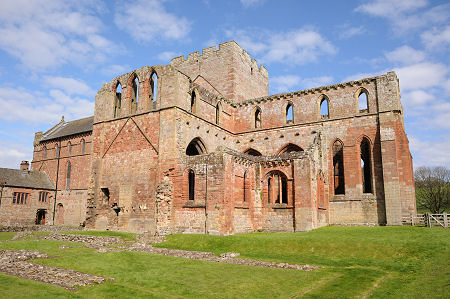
(225, 49)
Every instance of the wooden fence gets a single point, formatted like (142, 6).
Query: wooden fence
(428, 220)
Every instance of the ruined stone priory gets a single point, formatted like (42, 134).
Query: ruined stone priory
(199, 146)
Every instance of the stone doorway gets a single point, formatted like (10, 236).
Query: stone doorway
(40, 216)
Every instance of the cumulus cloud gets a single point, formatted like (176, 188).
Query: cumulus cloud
(12, 153)
(430, 153)
(421, 75)
(296, 47)
(405, 55)
(292, 82)
(406, 15)
(69, 85)
(436, 39)
(147, 20)
(51, 33)
(21, 105)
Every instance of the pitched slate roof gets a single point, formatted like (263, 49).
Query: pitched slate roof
(26, 179)
(64, 128)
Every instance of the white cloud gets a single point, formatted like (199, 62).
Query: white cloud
(115, 70)
(146, 20)
(20, 105)
(363, 75)
(406, 15)
(11, 154)
(248, 3)
(388, 8)
(346, 31)
(50, 33)
(405, 55)
(69, 85)
(417, 98)
(292, 82)
(421, 75)
(436, 39)
(430, 153)
(296, 47)
(166, 56)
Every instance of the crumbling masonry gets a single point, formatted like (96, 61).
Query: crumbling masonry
(199, 146)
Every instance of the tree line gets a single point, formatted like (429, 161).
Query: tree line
(432, 188)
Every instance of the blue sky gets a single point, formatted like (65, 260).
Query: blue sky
(55, 55)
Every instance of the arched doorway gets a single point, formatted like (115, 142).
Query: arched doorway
(60, 214)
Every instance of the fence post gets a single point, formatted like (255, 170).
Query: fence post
(412, 219)
(445, 220)
(427, 219)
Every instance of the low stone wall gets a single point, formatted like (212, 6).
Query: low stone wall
(39, 228)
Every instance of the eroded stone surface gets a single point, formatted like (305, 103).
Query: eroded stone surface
(15, 263)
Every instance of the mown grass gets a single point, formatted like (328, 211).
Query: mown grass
(382, 262)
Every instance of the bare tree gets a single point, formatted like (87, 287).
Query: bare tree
(432, 188)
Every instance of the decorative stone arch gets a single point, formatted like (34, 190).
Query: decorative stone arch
(289, 112)
(196, 147)
(276, 187)
(365, 164)
(324, 113)
(290, 148)
(362, 107)
(252, 152)
(257, 117)
(133, 86)
(337, 159)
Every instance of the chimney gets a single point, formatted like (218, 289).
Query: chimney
(24, 165)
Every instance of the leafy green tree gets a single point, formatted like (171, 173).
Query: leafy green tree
(432, 188)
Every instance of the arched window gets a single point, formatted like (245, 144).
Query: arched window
(193, 101)
(58, 150)
(83, 146)
(218, 112)
(366, 174)
(196, 147)
(363, 101)
(69, 148)
(338, 167)
(45, 152)
(324, 109)
(289, 114)
(69, 166)
(290, 148)
(277, 187)
(191, 185)
(154, 86)
(252, 152)
(135, 96)
(245, 186)
(118, 100)
(257, 118)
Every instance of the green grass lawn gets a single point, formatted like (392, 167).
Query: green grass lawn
(382, 262)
